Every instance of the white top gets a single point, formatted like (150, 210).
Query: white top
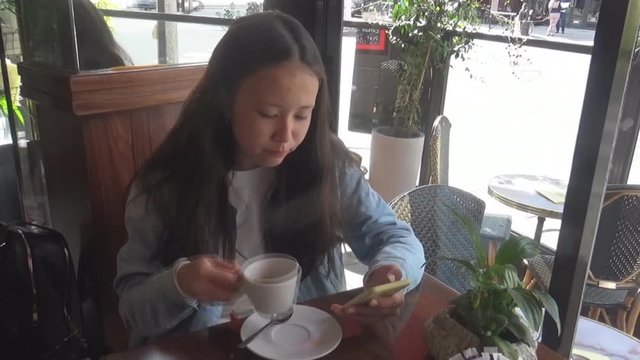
(247, 194)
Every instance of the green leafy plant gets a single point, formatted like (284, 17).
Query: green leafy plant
(254, 7)
(9, 5)
(4, 107)
(488, 309)
(107, 4)
(230, 13)
(427, 33)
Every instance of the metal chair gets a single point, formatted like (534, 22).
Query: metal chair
(439, 151)
(495, 227)
(614, 272)
(428, 210)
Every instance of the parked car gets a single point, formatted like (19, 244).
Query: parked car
(144, 4)
(196, 5)
(150, 5)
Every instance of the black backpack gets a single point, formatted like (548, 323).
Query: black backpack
(40, 312)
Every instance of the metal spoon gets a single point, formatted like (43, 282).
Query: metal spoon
(275, 319)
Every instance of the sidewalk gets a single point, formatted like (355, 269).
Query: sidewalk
(571, 35)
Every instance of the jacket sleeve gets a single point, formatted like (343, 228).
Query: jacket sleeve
(374, 233)
(149, 299)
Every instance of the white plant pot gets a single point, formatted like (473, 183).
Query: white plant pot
(395, 162)
(9, 19)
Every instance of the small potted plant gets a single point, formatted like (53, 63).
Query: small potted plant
(9, 5)
(425, 35)
(498, 311)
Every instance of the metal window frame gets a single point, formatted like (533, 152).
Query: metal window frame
(157, 16)
(611, 53)
(629, 126)
(614, 43)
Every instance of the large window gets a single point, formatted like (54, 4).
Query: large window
(514, 119)
(514, 110)
(161, 31)
(187, 42)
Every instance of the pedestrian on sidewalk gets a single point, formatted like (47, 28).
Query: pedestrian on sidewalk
(554, 16)
(561, 24)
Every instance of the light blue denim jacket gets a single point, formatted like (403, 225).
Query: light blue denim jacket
(151, 305)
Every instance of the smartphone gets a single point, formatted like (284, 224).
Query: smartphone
(379, 291)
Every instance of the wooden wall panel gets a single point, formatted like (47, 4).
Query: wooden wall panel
(97, 129)
(105, 101)
(133, 77)
(107, 91)
(121, 142)
(133, 89)
(110, 166)
(149, 128)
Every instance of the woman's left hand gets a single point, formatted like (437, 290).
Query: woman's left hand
(378, 308)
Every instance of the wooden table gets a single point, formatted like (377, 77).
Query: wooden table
(397, 338)
(520, 192)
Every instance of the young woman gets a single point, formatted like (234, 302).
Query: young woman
(554, 16)
(252, 167)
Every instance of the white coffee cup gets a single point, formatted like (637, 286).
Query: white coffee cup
(271, 282)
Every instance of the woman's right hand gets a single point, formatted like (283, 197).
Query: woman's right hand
(209, 279)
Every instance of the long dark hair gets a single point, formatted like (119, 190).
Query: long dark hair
(187, 177)
(97, 48)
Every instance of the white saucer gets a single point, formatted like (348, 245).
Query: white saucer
(309, 334)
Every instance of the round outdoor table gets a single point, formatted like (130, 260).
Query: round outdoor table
(595, 340)
(521, 192)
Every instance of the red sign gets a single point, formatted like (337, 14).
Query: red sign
(371, 39)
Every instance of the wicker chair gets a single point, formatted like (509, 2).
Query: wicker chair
(428, 210)
(614, 273)
(495, 227)
(439, 151)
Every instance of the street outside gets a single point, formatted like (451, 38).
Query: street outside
(195, 42)
(505, 118)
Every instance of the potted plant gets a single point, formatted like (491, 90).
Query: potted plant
(9, 5)
(497, 311)
(8, 13)
(425, 34)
